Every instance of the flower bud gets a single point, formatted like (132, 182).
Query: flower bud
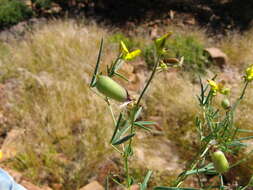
(225, 103)
(220, 162)
(111, 89)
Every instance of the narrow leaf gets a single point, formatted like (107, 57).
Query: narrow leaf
(145, 122)
(93, 80)
(209, 169)
(245, 130)
(237, 143)
(117, 127)
(122, 131)
(121, 76)
(124, 139)
(141, 126)
(137, 113)
(146, 179)
(244, 138)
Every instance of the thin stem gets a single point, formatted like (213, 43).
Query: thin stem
(221, 182)
(111, 111)
(149, 81)
(127, 171)
(244, 89)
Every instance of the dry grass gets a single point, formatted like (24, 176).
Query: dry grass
(172, 100)
(239, 48)
(67, 130)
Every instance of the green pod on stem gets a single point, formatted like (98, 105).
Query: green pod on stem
(111, 89)
(225, 103)
(220, 162)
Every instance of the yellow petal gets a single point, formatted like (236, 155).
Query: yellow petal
(249, 73)
(213, 85)
(160, 42)
(132, 55)
(123, 47)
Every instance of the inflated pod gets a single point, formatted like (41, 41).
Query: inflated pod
(111, 89)
(220, 162)
(225, 103)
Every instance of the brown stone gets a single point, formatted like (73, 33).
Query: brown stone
(93, 186)
(135, 187)
(217, 56)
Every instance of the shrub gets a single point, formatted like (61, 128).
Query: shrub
(12, 12)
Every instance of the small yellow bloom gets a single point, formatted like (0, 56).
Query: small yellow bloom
(214, 85)
(1, 154)
(132, 55)
(218, 87)
(249, 73)
(126, 55)
(160, 43)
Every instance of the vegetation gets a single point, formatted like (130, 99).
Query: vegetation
(13, 12)
(49, 97)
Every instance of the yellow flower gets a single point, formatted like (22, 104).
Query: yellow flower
(214, 85)
(126, 55)
(218, 87)
(249, 73)
(160, 42)
(1, 154)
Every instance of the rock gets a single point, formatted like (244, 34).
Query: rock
(93, 186)
(134, 187)
(149, 152)
(219, 57)
(11, 144)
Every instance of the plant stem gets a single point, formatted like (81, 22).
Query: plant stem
(127, 171)
(111, 111)
(244, 89)
(149, 80)
(221, 182)
(126, 156)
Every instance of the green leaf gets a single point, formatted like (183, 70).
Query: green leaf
(137, 113)
(93, 80)
(174, 188)
(145, 122)
(126, 126)
(208, 169)
(141, 126)
(128, 150)
(143, 186)
(237, 143)
(245, 131)
(244, 138)
(121, 76)
(124, 139)
(117, 127)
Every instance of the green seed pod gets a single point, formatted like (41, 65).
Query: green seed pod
(225, 103)
(111, 89)
(220, 162)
